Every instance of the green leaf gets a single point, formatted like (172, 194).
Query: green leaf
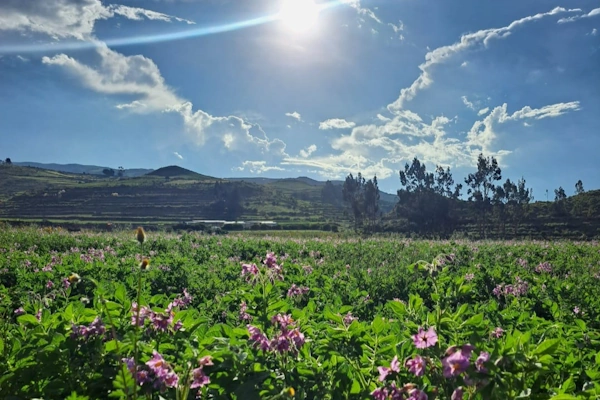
(355, 389)
(548, 346)
(581, 324)
(27, 319)
(120, 293)
(378, 325)
(568, 385)
(475, 320)
(563, 396)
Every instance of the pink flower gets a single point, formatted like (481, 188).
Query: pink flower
(576, 310)
(457, 394)
(157, 363)
(455, 364)
(49, 285)
(385, 371)
(497, 333)
(348, 318)
(484, 357)
(259, 339)
(38, 315)
(20, 311)
(200, 378)
(380, 393)
(416, 365)
(424, 339)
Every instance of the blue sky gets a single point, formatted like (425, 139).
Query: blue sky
(359, 85)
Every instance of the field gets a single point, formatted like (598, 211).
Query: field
(87, 315)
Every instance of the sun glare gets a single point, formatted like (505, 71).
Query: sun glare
(299, 15)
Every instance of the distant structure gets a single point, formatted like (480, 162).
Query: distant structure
(217, 223)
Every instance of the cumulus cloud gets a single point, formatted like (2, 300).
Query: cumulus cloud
(594, 12)
(336, 123)
(467, 41)
(296, 115)
(309, 150)
(176, 154)
(61, 19)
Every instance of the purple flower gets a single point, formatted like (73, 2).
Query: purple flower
(244, 316)
(416, 365)
(49, 285)
(385, 371)
(38, 315)
(484, 357)
(457, 394)
(348, 318)
(576, 310)
(498, 332)
(424, 339)
(416, 394)
(249, 269)
(455, 364)
(283, 321)
(260, 339)
(297, 337)
(200, 378)
(271, 260)
(19, 311)
(297, 290)
(543, 267)
(380, 393)
(66, 283)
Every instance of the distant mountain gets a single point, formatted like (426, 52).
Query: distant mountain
(82, 169)
(175, 171)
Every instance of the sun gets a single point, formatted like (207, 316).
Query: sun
(299, 15)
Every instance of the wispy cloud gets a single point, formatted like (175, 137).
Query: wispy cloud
(336, 123)
(136, 13)
(176, 154)
(258, 167)
(362, 10)
(296, 115)
(467, 41)
(483, 111)
(468, 103)
(594, 12)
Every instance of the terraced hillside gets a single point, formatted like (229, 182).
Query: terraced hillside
(170, 194)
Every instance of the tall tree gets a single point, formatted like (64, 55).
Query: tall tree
(371, 202)
(352, 193)
(579, 187)
(559, 194)
(8, 161)
(108, 172)
(330, 194)
(481, 186)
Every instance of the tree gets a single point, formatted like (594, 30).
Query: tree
(371, 202)
(518, 197)
(121, 172)
(108, 172)
(352, 193)
(8, 161)
(579, 187)
(330, 194)
(559, 194)
(481, 185)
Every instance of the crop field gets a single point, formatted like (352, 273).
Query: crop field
(154, 315)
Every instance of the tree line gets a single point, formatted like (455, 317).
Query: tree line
(430, 202)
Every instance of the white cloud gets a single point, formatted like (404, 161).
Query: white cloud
(594, 32)
(61, 19)
(362, 10)
(136, 13)
(595, 11)
(464, 64)
(468, 103)
(309, 150)
(382, 118)
(296, 115)
(176, 154)
(258, 167)
(397, 28)
(483, 111)
(441, 54)
(336, 123)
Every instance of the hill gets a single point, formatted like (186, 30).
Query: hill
(82, 169)
(174, 171)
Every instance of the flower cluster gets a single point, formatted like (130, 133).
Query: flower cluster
(297, 290)
(199, 377)
(520, 288)
(160, 321)
(244, 316)
(287, 339)
(96, 328)
(275, 270)
(396, 393)
(159, 372)
(543, 267)
(349, 318)
(523, 263)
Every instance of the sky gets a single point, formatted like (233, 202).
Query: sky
(287, 88)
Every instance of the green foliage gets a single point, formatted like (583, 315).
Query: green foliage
(350, 306)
